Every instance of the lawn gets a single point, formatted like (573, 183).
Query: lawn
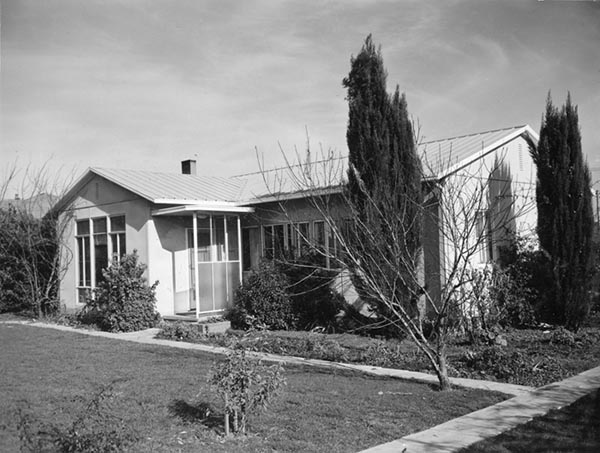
(575, 428)
(161, 393)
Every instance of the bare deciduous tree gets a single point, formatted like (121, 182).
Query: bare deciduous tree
(468, 213)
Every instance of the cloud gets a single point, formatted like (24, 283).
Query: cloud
(151, 83)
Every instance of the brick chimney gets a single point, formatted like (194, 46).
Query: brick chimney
(188, 167)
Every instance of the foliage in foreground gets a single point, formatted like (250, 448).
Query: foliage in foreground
(123, 301)
(95, 429)
(246, 387)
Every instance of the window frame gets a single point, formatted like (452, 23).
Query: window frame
(86, 243)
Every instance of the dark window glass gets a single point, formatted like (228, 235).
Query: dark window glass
(99, 225)
(246, 258)
(232, 239)
(83, 227)
(100, 255)
(278, 240)
(117, 223)
(268, 242)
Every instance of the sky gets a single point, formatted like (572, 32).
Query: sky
(147, 84)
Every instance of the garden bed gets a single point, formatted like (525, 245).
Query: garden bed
(533, 357)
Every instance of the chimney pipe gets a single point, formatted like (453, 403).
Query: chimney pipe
(188, 167)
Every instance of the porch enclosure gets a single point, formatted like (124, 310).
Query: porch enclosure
(214, 261)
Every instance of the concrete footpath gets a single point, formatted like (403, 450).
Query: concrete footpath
(447, 437)
(491, 421)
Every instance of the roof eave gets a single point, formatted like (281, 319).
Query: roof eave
(270, 198)
(204, 207)
(488, 149)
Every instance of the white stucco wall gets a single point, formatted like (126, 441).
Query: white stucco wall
(96, 199)
(466, 183)
(168, 258)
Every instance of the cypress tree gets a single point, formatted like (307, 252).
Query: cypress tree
(384, 183)
(565, 217)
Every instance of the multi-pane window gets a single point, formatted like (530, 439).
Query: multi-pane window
(84, 254)
(274, 241)
(117, 237)
(222, 247)
(319, 234)
(297, 238)
(302, 239)
(100, 235)
(100, 241)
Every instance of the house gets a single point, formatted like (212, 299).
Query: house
(198, 235)
(36, 205)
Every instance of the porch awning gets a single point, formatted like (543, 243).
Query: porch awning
(189, 209)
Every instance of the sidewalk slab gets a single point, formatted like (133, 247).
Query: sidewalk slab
(491, 421)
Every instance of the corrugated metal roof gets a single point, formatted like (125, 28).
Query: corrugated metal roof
(323, 173)
(163, 187)
(438, 156)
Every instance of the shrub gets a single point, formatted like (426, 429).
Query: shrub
(496, 297)
(382, 355)
(531, 283)
(513, 297)
(246, 386)
(29, 264)
(513, 367)
(262, 301)
(562, 336)
(96, 429)
(324, 349)
(180, 331)
(123, 301)
(314, 302)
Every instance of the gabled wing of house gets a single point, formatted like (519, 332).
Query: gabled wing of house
(443, 157)
(439, 159)
(164, 188)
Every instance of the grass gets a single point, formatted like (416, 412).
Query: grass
(162, 394)
(575, 428)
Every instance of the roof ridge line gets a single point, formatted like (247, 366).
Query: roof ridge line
(284, 167)
(224, 178)
(473, 134)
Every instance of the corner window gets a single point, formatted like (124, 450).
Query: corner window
(100, 241)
